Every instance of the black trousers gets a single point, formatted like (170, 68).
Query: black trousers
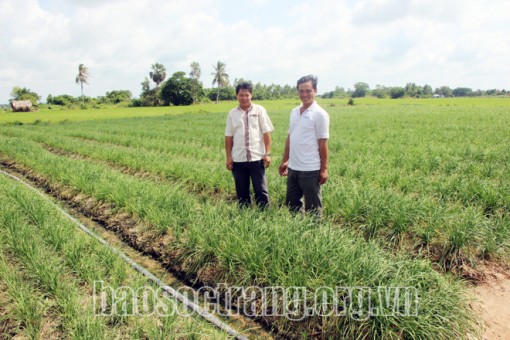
(304, 183)
(255, 171)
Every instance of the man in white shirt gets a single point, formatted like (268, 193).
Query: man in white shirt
(248, 147)
(305, 159)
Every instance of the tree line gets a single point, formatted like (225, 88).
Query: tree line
(186, 88)
(410, 90)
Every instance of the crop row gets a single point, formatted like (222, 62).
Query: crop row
(48, 269)
(404, 179)
(263, 249)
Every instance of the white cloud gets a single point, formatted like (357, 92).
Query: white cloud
(387, 42)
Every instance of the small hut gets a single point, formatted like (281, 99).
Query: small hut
(21, 105)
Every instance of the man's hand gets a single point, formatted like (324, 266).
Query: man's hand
(229, 164)
(229, 144)
(283, 170)
(324, 154)
(323, 176)
(267, 160)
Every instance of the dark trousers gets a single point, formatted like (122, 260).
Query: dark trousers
(304, 183)
(244, 172)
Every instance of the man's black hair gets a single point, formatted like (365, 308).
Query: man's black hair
(244, 86)
(306, 79)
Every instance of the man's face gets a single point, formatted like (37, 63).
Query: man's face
(244, 98)
(306, 93)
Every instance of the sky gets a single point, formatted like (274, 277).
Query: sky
(380, 42)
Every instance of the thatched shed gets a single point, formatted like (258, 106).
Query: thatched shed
(21, 105)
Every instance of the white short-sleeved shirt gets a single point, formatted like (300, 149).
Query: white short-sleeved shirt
(248, 130)
(305, 131)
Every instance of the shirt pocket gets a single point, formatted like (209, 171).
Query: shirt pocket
(253, 122)
(253, 118)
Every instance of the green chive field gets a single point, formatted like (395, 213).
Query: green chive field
(418, 196)
(47, 271)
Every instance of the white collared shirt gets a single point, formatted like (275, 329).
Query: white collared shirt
(305, 131)
(247, 129)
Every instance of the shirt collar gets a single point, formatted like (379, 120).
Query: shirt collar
(309, 107)
(249, 109)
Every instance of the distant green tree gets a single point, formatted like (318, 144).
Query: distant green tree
(22, 93)
(196, 84)
(277, 92)
(360, 90)
(82, 77)
(328, 94)
(427, 91)
(380, 91)
(178, 90)
(62, 99)
(158, 73)
(220, 77)
(339, 92)
(149, 97)
(117, 96)
(146, 86)
(226, 93)
(462, 92)
(289, 91)
(197, 90)
(261, 92)
(239, 81)
(397, 92)
(411, 90)
(444, 91)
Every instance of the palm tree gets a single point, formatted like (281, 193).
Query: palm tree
(159, 73)
(82, 77)
(220, 77)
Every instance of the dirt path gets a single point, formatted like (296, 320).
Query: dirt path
(493, 306)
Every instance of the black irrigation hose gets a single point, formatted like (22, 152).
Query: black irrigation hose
(190, 304)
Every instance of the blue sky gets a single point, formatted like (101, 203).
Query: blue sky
(380, 42)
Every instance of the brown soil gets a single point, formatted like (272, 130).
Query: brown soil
(493, 306)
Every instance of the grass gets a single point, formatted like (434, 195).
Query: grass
(55, 114)
(398, 173)
(272, 250)
(416, 186)
(25, 305)
(48, 268)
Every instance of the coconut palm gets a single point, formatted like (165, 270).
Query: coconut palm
(220, 77)
(82, 77)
